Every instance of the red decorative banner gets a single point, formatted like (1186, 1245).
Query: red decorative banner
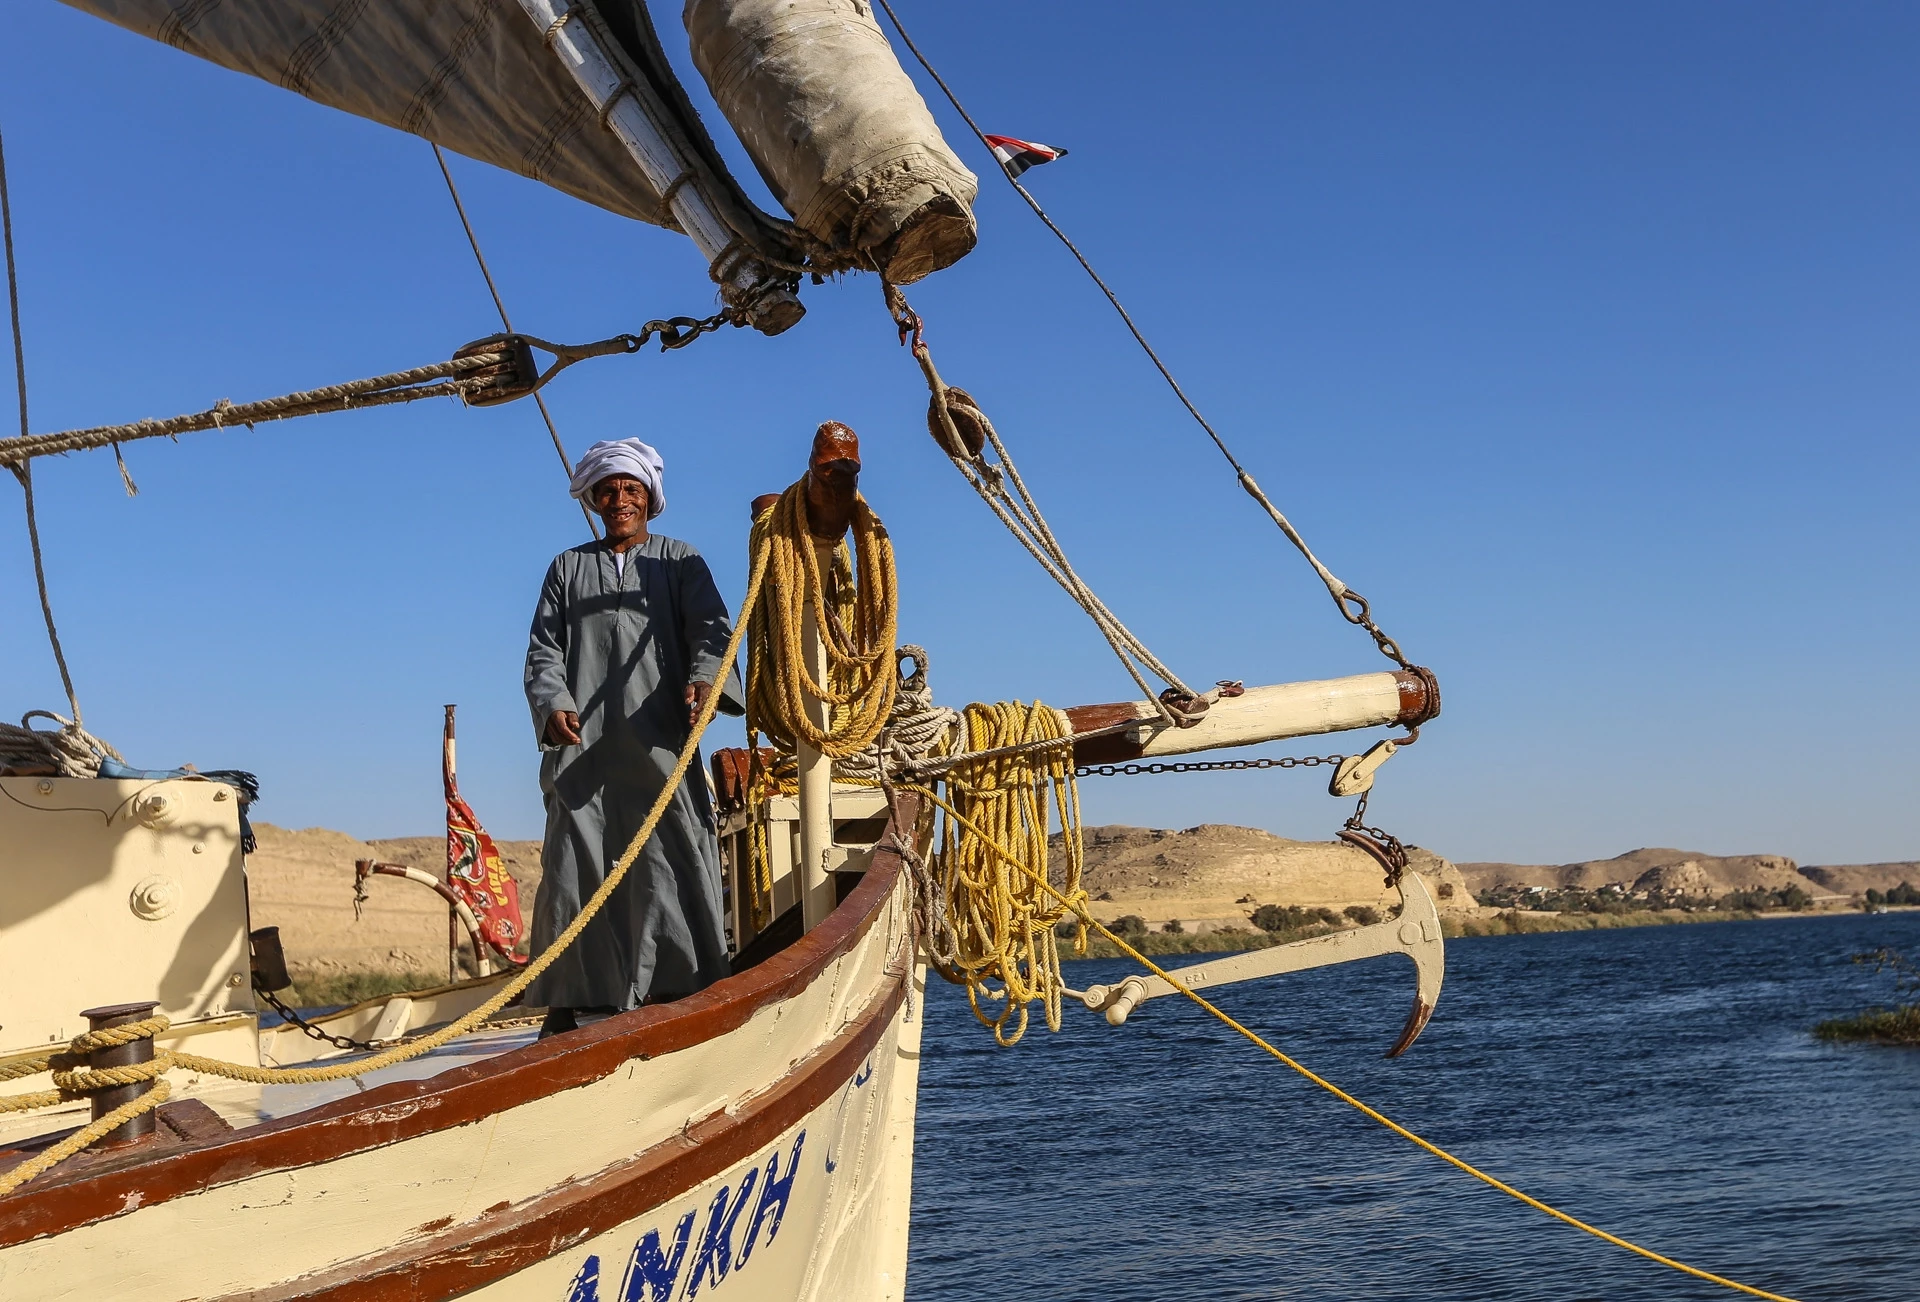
(474, 870)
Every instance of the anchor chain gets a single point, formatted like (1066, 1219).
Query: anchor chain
(307, 1028)
(1383, 845)
(1206, 766)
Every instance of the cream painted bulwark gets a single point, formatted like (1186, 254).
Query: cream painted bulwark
(118, 890)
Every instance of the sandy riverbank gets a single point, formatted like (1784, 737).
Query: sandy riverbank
(1208, 879)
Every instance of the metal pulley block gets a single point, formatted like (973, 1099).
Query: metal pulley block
(515, 376)
(1354, 774)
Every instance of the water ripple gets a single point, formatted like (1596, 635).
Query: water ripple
(1661, 1082)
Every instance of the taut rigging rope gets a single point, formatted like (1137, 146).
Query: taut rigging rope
(473, 242)
(1353, 607)
(24, 472)
(1022, 517)
(504, 370)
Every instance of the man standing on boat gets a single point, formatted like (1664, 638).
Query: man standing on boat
(626, 642)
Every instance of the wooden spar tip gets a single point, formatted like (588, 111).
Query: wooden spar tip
(1405, 698)
(1419, 696)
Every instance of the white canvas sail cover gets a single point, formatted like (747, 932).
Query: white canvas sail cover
(812, 88)
(836, 128)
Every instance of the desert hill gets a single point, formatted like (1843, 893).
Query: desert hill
(1859, 878)
(1215, 875)
(1208, 877)
(1689, 872)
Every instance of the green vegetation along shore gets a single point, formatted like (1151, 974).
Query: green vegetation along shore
(1898, 1025)
(1508, 922)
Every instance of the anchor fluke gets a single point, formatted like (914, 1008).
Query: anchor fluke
(1415, 932)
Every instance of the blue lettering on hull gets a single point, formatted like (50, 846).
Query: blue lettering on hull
(653, 1271)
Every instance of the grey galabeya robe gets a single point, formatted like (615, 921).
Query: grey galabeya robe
(620, 652)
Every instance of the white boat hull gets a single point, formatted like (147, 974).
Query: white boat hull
(753, 1141)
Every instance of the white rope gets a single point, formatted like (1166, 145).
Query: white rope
(1028, 524)
(916, 729)
(70, 752)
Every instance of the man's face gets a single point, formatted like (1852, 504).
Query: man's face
(621, 501)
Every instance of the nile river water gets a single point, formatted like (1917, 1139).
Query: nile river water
(1660, 1082)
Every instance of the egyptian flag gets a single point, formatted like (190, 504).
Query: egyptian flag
(1018, 155)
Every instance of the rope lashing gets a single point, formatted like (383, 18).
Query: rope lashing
(500, 304)
(917, 730)
(1076, 904)
(860, 629)
(70, 752)
(501, 372)
(446, 1034)
(1019, 511)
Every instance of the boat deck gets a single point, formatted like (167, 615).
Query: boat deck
(205, 1105)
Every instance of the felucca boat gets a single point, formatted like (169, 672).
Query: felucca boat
(755, 1140)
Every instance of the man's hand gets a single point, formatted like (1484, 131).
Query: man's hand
(563, 728)
(697, 694)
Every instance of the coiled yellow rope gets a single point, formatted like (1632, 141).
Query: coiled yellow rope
(1078, 907)
(165, 1058)
(764, 781)
(1003, 947)
(860, 629)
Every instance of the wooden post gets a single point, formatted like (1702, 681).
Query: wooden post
(814, 881)
(122, 1055)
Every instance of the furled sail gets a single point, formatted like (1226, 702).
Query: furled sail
(577, 94)
(837, 130)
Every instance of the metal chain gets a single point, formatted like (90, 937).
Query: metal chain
(679, 331)
(1364, 618)
(337, 1041)
(1206, 766)
(1383, 845)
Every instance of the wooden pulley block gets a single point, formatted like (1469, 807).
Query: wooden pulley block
(515, 377)
(1355, 773)
(966, 421)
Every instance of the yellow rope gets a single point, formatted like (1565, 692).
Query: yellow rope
(17, 1068)
(1087, 920)
(85, 1136)
(764, 781)
(164, 1058)
(860, 629)
(1003, 946)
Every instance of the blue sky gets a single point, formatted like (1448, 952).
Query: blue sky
(1581, 339)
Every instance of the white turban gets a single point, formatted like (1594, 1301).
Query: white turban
(622, 457)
